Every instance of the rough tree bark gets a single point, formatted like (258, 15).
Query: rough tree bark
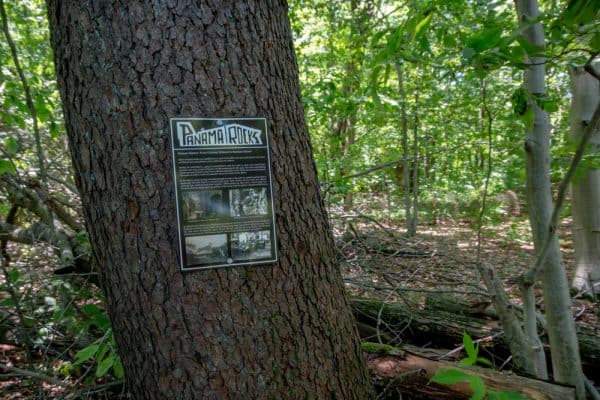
(275, 331)
(585, 191)
(566, 363)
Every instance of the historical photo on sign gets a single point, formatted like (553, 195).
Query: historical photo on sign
(203, 204)
(223, 192)
(250, 245)
(207, 249)
(250, 201)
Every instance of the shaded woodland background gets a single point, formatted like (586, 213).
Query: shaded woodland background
(417, 115)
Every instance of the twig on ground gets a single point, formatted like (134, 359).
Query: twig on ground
(461, 347)
(373, 220)
(93, 389)
(31, 374)
(390, 385)
(411, 289)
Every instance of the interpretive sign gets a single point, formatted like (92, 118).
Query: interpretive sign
(224, 198)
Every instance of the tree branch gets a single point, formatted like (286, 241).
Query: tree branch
(37, 200)
(25, 198)
(589, 67)
(31, 374)
(37, 232)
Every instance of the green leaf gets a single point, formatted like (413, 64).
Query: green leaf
(14, 275)
(105, 365)
(485, 39)
(595, 42)
(528, 118)
(8, 303)
(485, 361)
(92, 310)
(395, 41)
(446, 39)
(11, 146)
(530, 48)
(97, 316)
(102, 322)
(467, 361)
(103, 351)
(519, 102)
(581, 12)
(514, 54)
(53, 128)
(29, 321)
(42, 110)
(424, 44)
(469, 346)
(422, 24)
(86, 353)
(477, 386)
(118, 369)
(550, 106)
(547, 104)
(7, 166)
(450, 376)
(377, 37)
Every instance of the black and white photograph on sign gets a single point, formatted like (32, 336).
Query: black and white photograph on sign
(248, 201)
(223, 192)
(203, 204)
(209, 249)
(251, 245)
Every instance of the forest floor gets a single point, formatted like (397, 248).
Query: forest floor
(379, 261)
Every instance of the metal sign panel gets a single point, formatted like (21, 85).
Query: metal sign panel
(224, 197)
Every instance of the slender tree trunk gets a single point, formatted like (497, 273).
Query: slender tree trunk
(281, 330)
(586, 190)
(345, 126)
(561, 326)
(415, 165)
(405, 170)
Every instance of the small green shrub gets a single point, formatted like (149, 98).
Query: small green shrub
(452, 376)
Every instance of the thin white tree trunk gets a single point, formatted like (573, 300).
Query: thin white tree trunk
(585, 191)
(564, 348)
(523, 351)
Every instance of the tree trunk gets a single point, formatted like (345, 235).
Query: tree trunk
(344, 132)
(404, 177)
(585, 191)
(281, 330)
(415, 165)
(566, 364)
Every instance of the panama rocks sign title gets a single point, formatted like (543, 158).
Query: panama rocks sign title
(226, 135)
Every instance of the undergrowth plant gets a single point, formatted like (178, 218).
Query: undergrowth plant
(451, 376)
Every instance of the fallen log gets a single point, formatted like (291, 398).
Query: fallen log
(410, 374)
(436, 327)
